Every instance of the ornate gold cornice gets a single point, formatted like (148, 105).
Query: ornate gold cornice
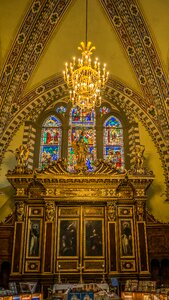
(55, 182)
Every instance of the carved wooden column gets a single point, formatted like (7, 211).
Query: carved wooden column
(50, 215)
(17, 253)
(112, 236)
(141, 229)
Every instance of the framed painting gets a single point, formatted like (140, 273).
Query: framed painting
(68, 237)
(34, 237)
(93, 238)
(126, 238)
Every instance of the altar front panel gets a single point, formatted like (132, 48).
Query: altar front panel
(80, 238)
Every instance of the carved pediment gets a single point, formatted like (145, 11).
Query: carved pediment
(60, 167)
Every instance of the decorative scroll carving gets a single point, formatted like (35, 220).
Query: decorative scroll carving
(50, 210)
(140, 210)
(111, 210)
(58, 167)
(105, 167)
(20, 211)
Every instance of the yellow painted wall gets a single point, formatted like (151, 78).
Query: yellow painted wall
(156, 193)
(9, 162)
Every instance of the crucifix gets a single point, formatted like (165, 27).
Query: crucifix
(80, 269)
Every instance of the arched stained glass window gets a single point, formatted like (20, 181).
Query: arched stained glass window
(82, 126)
(51, 135)
(113, 142)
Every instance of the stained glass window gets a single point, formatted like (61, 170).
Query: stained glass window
(104, 110)
(113, 142)
(61, 110)
(82, 127)
(50, 148)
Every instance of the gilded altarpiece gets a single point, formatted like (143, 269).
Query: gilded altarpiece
(74, 226)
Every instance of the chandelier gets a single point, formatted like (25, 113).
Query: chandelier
(85, 78)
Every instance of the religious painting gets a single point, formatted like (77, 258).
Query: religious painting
(127, 240)
(68, 230)
(34, 235)
(93, 237)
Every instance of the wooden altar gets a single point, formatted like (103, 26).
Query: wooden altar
(79, 226)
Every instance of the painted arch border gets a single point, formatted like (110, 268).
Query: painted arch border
(115, 92)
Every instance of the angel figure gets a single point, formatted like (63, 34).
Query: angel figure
(21, 154)
(139, 158)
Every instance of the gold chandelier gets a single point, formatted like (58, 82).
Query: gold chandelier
(84, 78)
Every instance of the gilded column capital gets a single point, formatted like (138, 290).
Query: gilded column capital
(111, 210)
(20, 208)
(140, 210)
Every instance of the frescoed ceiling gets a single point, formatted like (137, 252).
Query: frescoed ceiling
(38, 37)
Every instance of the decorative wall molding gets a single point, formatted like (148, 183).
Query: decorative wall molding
(127, 20)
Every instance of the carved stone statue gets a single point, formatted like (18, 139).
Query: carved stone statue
(50, 211)
(139, 158)
(80, 149)
(20, 211)
(21, 154)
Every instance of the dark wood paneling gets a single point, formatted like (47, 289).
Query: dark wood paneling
(17, 248)
(142, 247)
(6, 243)
(112, 250)
(48, 248)
(158, 241)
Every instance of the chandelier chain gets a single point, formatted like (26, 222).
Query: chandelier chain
(85, 78)
(86, 22)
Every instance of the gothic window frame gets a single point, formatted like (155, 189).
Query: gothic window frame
(113, 141)
(52, 134)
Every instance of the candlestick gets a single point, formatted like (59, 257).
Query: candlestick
(59, 277)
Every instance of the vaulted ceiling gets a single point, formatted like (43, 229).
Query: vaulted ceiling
(132, 37)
